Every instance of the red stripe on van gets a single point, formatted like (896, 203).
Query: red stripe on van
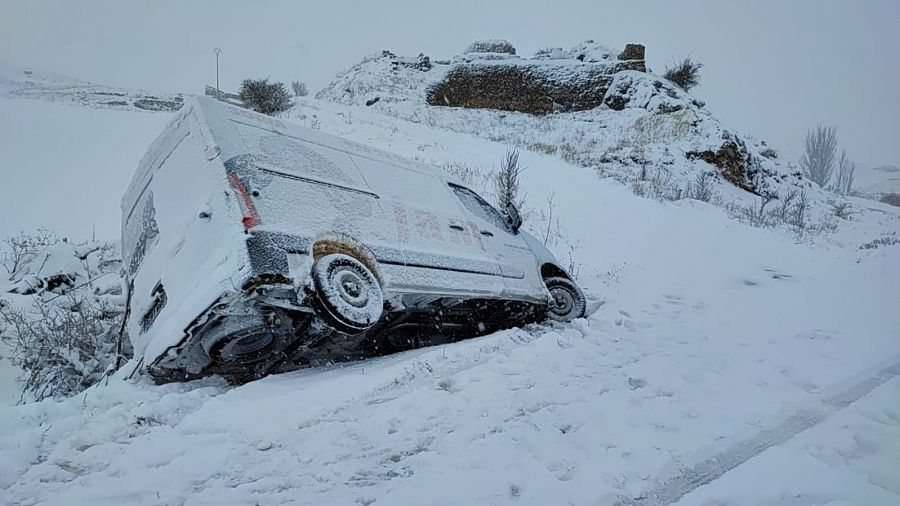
(251, 216)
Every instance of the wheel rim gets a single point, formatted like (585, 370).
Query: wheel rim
(350, 286)
(563, 301)
(349, 294)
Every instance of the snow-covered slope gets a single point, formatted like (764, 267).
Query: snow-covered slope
(710, 342)
(647, 130)
(54, 88)
(65, 166)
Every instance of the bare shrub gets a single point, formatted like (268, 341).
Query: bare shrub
(685, 73)
(64, 346)
(569, 153)
(662, 188)
(19, 250)
(888, 240)
(300, 89)
(843, 182)
(262, 96)
(819, 150)
(542, 147)
(507, 181)
(755, 215)
(799, 217)
(841, 210)
(551, 231)
(785, 206)
(701, 189)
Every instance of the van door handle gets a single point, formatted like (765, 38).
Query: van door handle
(487, 233)
(458, 228)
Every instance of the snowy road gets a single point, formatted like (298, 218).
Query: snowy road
(711, 469)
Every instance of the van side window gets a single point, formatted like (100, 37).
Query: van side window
(479, 207)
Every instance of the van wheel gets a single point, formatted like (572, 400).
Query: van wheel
(347, 295)
(567, 300)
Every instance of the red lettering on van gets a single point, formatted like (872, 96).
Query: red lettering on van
(427, 225)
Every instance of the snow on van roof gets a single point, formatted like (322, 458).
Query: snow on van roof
(218, 126)
(220, 118)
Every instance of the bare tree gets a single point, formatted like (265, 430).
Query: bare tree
(299, 88)
(685, 73)
(817, 161)
(507, 184)
(844, 178)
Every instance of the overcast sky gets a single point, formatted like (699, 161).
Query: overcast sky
(773, 68)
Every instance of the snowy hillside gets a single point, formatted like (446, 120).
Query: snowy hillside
(28, 84)
(722, 363)
(649, 132)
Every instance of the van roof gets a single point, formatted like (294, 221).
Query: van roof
(220, 118)
(218, 126)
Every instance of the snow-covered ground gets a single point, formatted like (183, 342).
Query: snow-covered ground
(763, 365)
(65, 166)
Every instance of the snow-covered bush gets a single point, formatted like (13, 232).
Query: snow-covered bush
(20, 250)
(60, 312)
(685, 73)
(63, 345)
(262, 96)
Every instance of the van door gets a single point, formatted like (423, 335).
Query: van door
(503, 244)
(424, 222)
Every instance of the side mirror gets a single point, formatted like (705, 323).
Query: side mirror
(513, 217)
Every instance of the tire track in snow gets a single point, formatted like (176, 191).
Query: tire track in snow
(711, 469)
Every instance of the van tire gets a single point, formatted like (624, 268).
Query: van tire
(348, 297)
(567, 300)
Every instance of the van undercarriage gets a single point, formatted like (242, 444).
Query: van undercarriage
(245, 337)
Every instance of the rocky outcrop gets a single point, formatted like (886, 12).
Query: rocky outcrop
(632, 52)
(553, 82)
(734, 162)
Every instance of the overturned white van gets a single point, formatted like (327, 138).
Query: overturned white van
(252, 244)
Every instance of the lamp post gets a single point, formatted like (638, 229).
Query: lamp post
(217, 51)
